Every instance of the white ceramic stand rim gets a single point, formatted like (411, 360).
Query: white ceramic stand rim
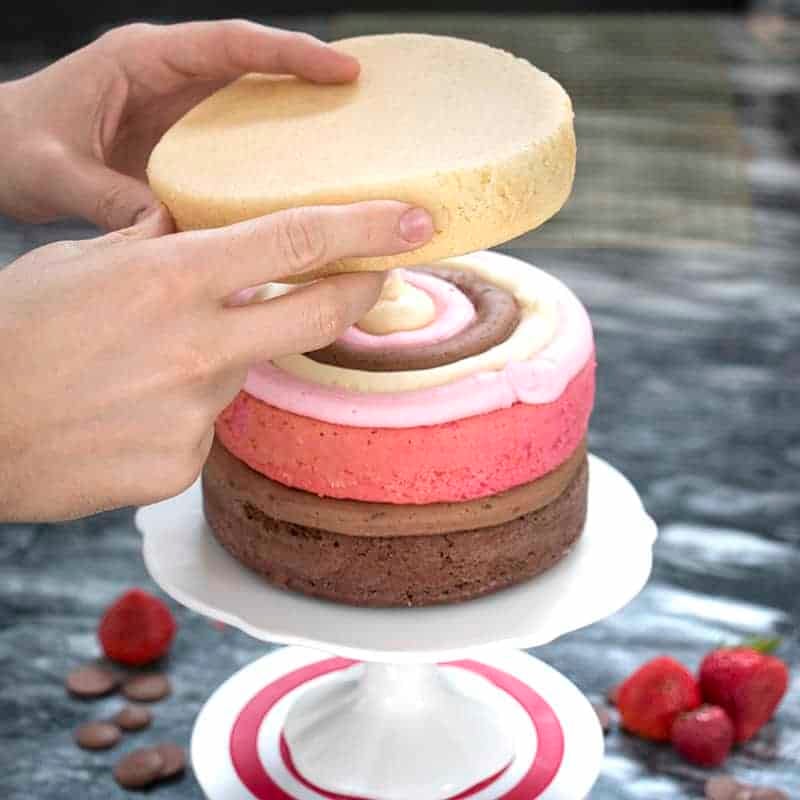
(606, 569)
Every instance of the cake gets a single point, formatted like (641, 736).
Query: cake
(418, 466)
(480, 138)
(437, 451)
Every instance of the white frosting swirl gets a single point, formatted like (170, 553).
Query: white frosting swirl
(401, 307)
(539, 317)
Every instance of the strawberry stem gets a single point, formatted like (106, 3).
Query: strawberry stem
(764, 644)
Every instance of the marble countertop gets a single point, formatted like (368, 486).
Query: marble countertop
(698, 397)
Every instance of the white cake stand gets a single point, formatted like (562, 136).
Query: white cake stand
(418, 704)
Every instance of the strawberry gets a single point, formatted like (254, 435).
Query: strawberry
(703, 736)
(650, 700)
(747, 682)
(136, 629)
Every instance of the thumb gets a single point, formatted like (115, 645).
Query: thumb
(107, 198)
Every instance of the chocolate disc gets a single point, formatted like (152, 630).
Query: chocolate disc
(139, 768)
(91, 680)
(722, 787)
(496, 316)
(147, 688)
(97, 735)
(174, 760)
(133, 718)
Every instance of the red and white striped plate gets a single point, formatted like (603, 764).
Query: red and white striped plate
(239, 753)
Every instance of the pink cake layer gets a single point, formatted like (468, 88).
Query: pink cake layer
(465, 459)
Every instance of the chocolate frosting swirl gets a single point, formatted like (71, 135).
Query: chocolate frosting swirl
(496, 316)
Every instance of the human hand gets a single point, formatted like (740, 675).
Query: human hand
(117, 353)
(76, 136)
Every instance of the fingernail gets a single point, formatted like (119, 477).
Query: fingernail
(145, 213)
(416, 225)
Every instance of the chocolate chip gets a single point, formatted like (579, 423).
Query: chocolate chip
(91, 680)
(768, 793)
(174, 760)
(722, 787)
(139, 768)
(133, 718)
(147, 688)
(603, 715)
(97, 735)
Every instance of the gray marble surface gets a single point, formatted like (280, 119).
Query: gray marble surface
(698, 397)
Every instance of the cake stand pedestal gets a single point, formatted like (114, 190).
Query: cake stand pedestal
(428, 703)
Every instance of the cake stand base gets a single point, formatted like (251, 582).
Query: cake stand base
(300, 725)
(340, 733)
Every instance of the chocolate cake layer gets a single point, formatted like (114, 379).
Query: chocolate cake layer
(407, 570)
(354, 518)
(496, 316)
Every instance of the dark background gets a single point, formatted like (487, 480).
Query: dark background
(50, 29)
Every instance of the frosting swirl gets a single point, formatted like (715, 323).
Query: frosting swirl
(538, 310)
(401, 307)
(548, 348)
(493, 316)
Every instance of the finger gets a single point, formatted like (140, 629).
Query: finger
(305, 319)
(151, 224)
(109, 199)
(154, 223)
(165, 58)
(292, 242)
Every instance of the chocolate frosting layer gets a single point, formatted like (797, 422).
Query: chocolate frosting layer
(224, 472)
(397, 570)
(496, 316)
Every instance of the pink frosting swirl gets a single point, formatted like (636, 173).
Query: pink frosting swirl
(542, 379)
(454, 312)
